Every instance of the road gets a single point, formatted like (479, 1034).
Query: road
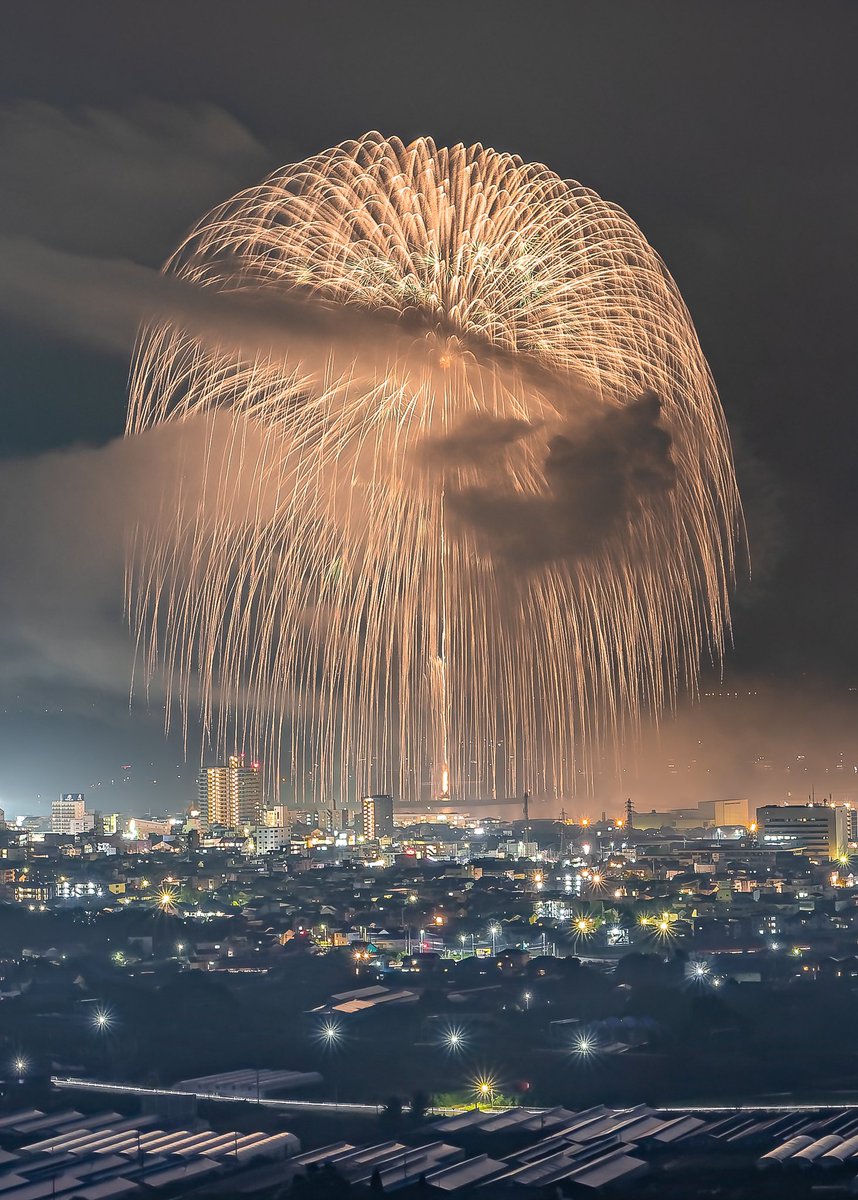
(128, 1089)
(333, 1106)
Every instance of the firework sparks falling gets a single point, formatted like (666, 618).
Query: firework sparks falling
(475, 509)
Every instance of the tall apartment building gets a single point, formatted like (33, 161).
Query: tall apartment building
(231, 795)
(377, 813)
(818, 830)
(69, 815)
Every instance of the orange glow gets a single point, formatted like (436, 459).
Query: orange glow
(418, 304)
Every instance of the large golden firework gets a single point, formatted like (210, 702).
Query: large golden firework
(468, 504)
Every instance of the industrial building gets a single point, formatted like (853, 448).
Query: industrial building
(488, 1153)
(248, 1084)
(103, 1156)
(818, 830)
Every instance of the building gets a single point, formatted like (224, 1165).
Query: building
(818, 830)
(725, 812)
(708, 814)
(278, 817)
(267, 838)
(141, 827)
(377, 813)
(231, 794)
(69, 815)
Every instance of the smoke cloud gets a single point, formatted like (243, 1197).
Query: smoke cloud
(119, 183)
(65, 520)
(597, 476)
(478, 439)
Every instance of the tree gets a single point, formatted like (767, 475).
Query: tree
(392, 1111)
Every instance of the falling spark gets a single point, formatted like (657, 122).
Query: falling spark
(324, 598)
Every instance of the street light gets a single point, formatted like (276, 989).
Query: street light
(330, 1035)
(527, 998)
(454, 1039)
(20, 1065)
(102, 1020)
(584, 1046)
(484, 1089)
(494, 931)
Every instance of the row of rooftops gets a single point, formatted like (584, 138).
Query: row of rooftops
(105, 1156)
(518, 1150)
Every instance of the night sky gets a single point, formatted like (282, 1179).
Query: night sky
(726, 130)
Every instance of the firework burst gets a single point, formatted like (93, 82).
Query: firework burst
(474, 511)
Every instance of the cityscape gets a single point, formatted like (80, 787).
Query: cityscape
(428, 732)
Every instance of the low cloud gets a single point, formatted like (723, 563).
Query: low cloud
(119, 183)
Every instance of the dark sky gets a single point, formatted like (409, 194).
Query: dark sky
(727, 131)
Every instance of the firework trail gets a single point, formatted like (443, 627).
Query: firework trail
(474, 511)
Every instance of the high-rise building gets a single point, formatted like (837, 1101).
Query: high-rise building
(231, 794)
(377, 812)
(818, 830)
(69, 815)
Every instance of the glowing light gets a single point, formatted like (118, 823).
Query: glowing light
(584, 1046)
(330, 1034)
(664, 925)
(483, 1088)
(428, 295)
(166, 899)
(454, 1039)
(20, 1065)
(584, 926)
(700, 971)
(102, 1020)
